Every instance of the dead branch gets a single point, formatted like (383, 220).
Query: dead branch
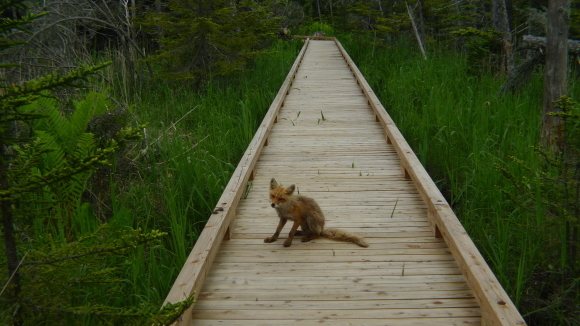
(532, 42)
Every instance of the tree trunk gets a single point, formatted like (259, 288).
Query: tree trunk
(331, 13)
(500, 22)
(417, 34)
(421, 21)
(555, 73)
(381, 8)
(13, 287)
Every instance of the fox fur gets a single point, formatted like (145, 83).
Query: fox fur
(306, 213)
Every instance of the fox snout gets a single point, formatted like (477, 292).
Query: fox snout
(273, 205)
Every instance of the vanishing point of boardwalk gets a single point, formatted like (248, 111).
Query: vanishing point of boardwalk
(327, 133)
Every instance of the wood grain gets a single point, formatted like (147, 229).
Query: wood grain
(327, 134)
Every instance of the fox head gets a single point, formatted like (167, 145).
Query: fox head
(278, 194)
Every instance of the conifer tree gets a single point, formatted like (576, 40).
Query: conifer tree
(201, 38)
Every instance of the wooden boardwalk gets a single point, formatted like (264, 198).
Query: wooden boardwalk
(327, 133)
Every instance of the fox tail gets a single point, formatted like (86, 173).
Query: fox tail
(336, 234)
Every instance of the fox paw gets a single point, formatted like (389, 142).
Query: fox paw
(270, 239)
(306, 239)
(287, 244)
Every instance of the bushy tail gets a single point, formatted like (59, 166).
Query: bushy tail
(336, 234)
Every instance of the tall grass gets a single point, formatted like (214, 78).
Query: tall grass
(194, 141)
(171, 181)
(460, 128)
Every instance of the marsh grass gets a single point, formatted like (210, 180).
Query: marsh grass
(460, 127)
(194, 141)
(171, 181)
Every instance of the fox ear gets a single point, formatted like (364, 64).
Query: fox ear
(290, 190)
(273, 183)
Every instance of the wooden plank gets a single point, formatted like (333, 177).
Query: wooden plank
(325, 295)
(497, 307)
(345, 287)
(288, 266)
(260, 230)
(346, 200)
(338, 304)
(297, 320)
(353, 210)
(249, 223)
(306, 280)
(313, 37)
(406, 242)
(335, 252)
(192, 275)
(330, 258)
(378, 234)
(377, 244)
(331, 314)
(351, 272)
(364, 219)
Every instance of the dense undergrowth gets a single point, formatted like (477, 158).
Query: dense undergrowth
(194, 140)
(166, 183)
(462, 130)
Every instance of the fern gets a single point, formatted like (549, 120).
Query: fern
(63, 140)
(92, 105)
(53, 156)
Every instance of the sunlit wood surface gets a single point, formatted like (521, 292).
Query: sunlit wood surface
(330, 142)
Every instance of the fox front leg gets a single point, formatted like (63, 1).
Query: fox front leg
(288, 241)
(273, 238)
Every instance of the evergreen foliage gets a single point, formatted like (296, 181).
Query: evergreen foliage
(371, 19)
(483, 47)
(7, 25)
(206, 38)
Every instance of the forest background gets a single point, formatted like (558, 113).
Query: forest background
(122, 122)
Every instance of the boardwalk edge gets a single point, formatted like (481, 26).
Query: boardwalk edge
(192, 276)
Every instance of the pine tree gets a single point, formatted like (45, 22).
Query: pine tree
(202, 38)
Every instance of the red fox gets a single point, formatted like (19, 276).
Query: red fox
(305, 213)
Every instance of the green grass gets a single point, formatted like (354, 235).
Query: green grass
(171, 181)
(195, 140)
(460, 128)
